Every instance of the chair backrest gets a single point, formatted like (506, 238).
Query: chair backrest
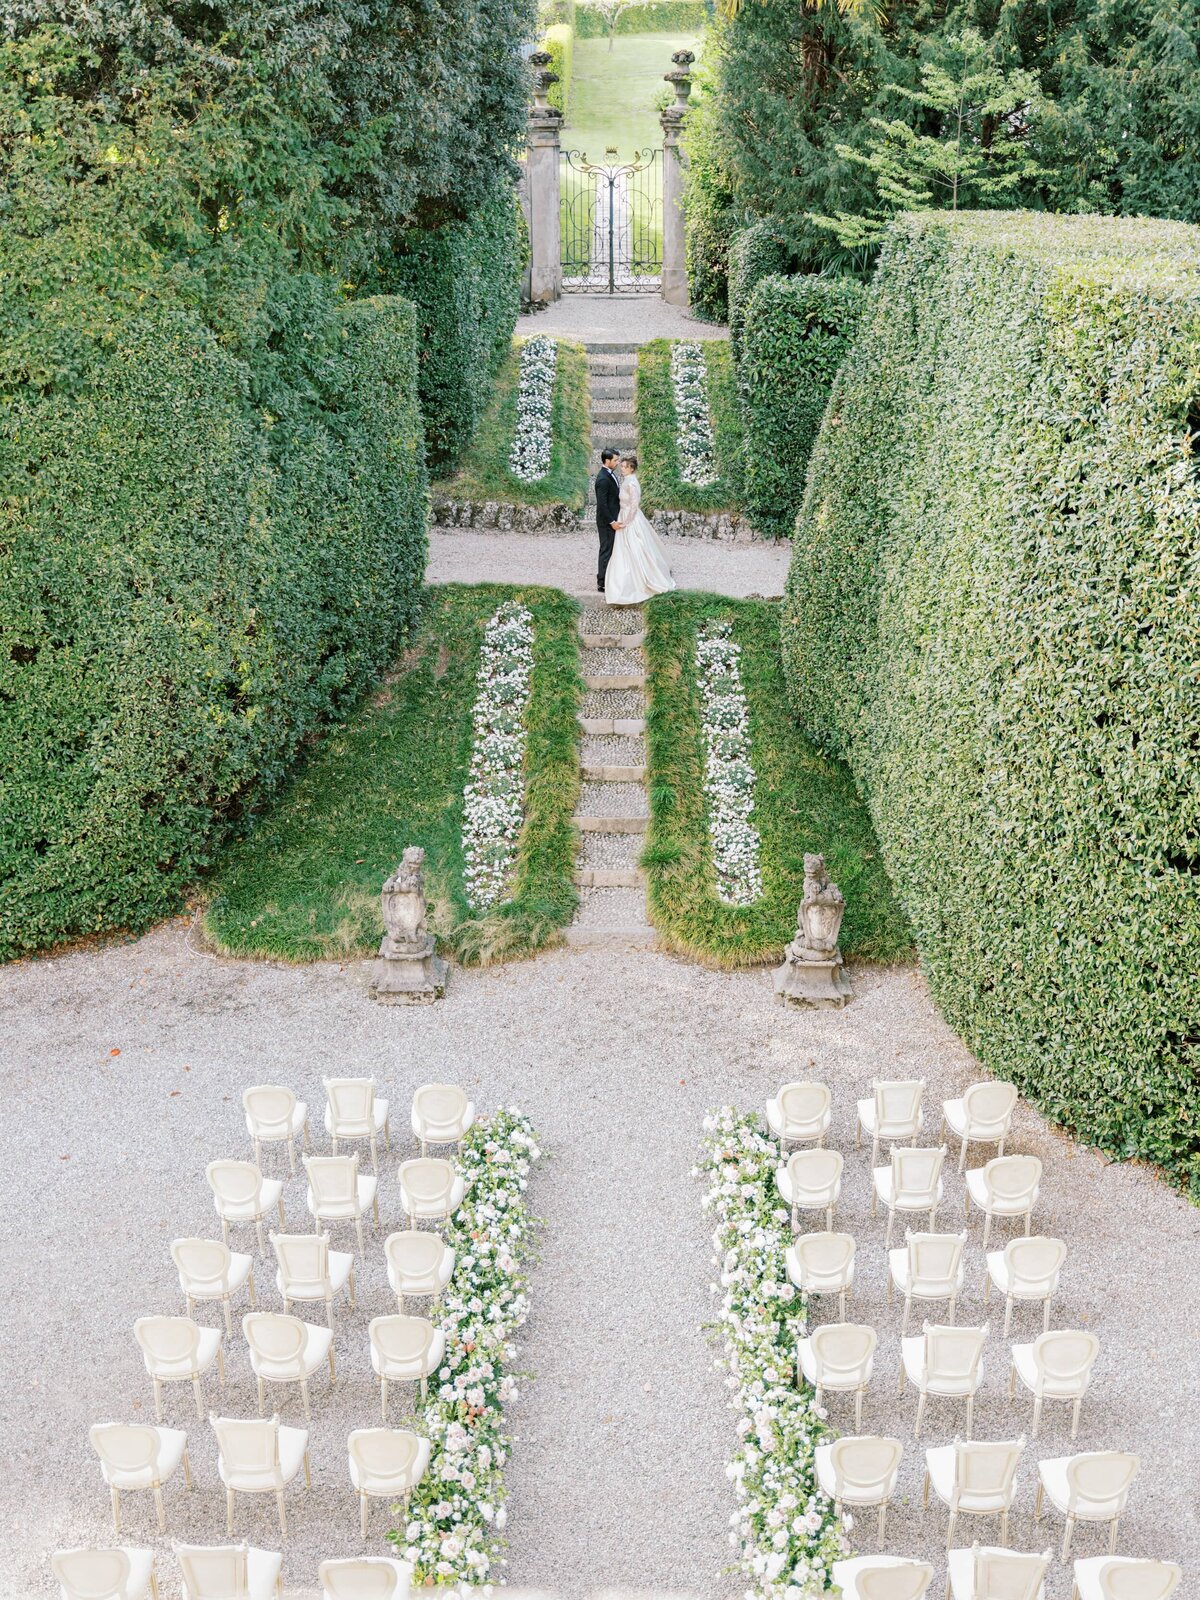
(440, 1105)
(803, 1104)
(1100, 1476)
(825, 1255)
(351, 1102)
(428, 1179)
(202, 1262)
(248, 1445)
(91, 1574)
(414, 1252)
(1033, 1265)
(401, 1338)
(1064, 1356)
(864, 1463)
(952, 1355)
(935, 1259)
(986, 1469)
(383, 1453)
(234, 1182)
(989, 1107)
(273, 1336)
(333, 1179)
(214, 1572)
(1013, 1178)
(897, 1104)
(125, 1447)
(303, 1257)
(898, 1580)
(359, 1579)
(843, 1351)
(814, 1173)
(168, 1338)
(1008, 1575)
(270, 1108)
(1139, 1580)
(916, 1174)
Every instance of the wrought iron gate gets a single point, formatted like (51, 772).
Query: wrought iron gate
(611, 222)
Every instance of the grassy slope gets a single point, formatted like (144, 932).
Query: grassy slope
(803, 802)
(658, 431)
(484, 473)
(305, 885)
(613, 93)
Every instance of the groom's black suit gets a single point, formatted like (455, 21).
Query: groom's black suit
(608, 509)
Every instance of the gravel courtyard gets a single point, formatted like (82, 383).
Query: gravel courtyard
(122, 1077)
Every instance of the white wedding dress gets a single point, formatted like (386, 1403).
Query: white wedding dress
(638, 566)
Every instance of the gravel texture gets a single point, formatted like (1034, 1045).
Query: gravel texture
(611, 849)
(614, 619)
(612, 800)
(617, 1471)
(605, 660)
(611, 908)
(568, 561)
(613, 703)
(619, 319)
(613, 750)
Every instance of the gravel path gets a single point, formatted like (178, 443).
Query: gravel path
(626, 319)
(617, 1470)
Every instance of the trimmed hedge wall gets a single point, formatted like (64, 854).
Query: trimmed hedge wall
(994, 613)
(559, 44)
(465, 281)
(651, 16)
(191, 580)
(757, 252)
(795, 334)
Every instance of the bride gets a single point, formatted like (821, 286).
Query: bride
(638, 567)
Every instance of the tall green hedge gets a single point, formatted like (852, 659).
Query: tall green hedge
(795, 333)
(465, 281)
(994, 614)
(189, 581)
(559, 44)
(650, 16)
(757, 252)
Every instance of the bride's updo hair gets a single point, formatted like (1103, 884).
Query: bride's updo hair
(630, 461)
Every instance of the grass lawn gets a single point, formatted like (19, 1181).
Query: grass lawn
(484, 473)
(304, 884)
(803, 802)
(658, 433)
(613, 93)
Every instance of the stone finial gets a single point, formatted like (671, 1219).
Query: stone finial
(680, 78)
(812, 972)
(407, 968)
(543, 80)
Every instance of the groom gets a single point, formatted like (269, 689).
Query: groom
(608, 509)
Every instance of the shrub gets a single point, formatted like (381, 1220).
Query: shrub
(757, 252)
(994, 613)
(795, 334)
(651, 16)
(559, 44)
(658, 431)
(190, 583)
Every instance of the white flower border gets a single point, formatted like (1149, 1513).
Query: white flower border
(784, 1528)
(529, 458)
(494, 798)
(694, 436)
(728, 771)
(456, 1516)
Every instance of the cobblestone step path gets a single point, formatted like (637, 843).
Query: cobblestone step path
(612, 813)
(612, 373)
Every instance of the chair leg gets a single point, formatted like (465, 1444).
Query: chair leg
(199, 1394)
(292, 1153)
(970, 1415)
(1037, 1501)
(950, 1525)
(353, 1290)
(842, 1304)
(967, 1204)
(374, 1156)
(1028, 1220)
(160, 1508)
(874, 1201)
(153, 1585)
(920, 1415)
(257, 1152)
(287, 1306)
(858, 1400)
(857, 1134)
(250, 1287)
(987, 1228)
(882, 1521)
(1008, 1311)
(187, 1470)
(376, 1210)
(425, 1148)
(307, 1140)
(307, 1471)
(115, 1497)
(907, 1310)
(902, 1378)
(362, 1508)
(953, 1309)
(387, 1130)
(358, 1228)
(1012, 1381)
(1046, 1316)
(158, 1416)
(1004, 1526)
(261, 1397)
(282, 1513)
(304, 1398)
(829, 1219)
(262, 1243)
(1037, 1414)
(890, 1292)
(887, 1239)
(229, 1513)
(221, 1365)
(225, 1229)
(329, 1314)
(332, 1368)
(925, 1492)
(279, 1208)
(962, 1157)
(1075, 1416)
(1067, 1532)
(874, 1152)
(228, 1317)
(383, 1387)
(424, 1389)
(1112, 1537)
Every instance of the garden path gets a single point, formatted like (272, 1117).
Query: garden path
(617, 318)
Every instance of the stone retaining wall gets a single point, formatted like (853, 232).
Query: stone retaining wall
(499, 516)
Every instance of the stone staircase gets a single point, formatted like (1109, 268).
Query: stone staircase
(612, 369)
(613, 813)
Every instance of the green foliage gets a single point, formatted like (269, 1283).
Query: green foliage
(796, 332)
(484, 473)
(757, 252)
(803, 801)
(464, 280)
(304, 884)
(643, 16)
(708, 203)
(658, 431)
(992, 615)
(190, 584)
(559, 44)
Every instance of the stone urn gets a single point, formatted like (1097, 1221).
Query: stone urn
(408, 968)
(812, 972)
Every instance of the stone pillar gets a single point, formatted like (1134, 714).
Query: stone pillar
(540, 188)
(674, 264)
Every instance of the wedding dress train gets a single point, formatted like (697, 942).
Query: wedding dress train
(638, 567)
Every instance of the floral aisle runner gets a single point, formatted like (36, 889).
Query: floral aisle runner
(456, 1516)
(784, 1529)
(728, 771)
(532, 444)
(494, 799)
(694, 440)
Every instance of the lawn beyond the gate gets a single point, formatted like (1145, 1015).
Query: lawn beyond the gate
(614, 93)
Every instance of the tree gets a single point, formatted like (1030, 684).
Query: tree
(611, 11)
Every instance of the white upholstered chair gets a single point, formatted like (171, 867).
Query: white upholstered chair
(209, 1270)
(354, 1111)
(430, 1189)
(1092, 1487)
(1056, 1366)
(892, 1113)
(929, 1266)
(1007, 1187)
(822, 1263)
(811, 1180)
(441, 1114)
(910, 1183)
(275, 1116)
(177, 1350)
(945, 1362)
(121, 1573)
(229, 1572)
(860, 1471)
(404, 1350)
(387, 1463)
(310, 1272)
(135, 1456)
(985, 1572)
(882, 1578)
(418, 1263)
(982, 1116)
(259, 1457)
(242, 1194)
(286, 1349)
(838, 1357)
(337, 1192)
(800, 1114)
(1125, 1578)
(367, 1578)
(975, 1479)
(1026, 1269)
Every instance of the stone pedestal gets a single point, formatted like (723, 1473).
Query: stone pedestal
(674, 258)
(540, 189)
(812, 973)
(408, 970)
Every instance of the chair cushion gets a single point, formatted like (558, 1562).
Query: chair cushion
(845, 1573)
(312, 1353)
(248, 1210)
(1088, 1570)
(359, 1129)
(408, 1371)
(912, 1353)
(939, 1463)
(262, 1573)
(434, 1208)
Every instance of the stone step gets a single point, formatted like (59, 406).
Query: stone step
(612, 824)
(607, 773)
(605, 384)
(620, 704)
(612, 367)
(612, 641)
(610, 852)
(615, 658)
(596, 606)
(609, 878)
(614, 680)
(587, 937)
(620, 727)
(611, 347)
(611, 413)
